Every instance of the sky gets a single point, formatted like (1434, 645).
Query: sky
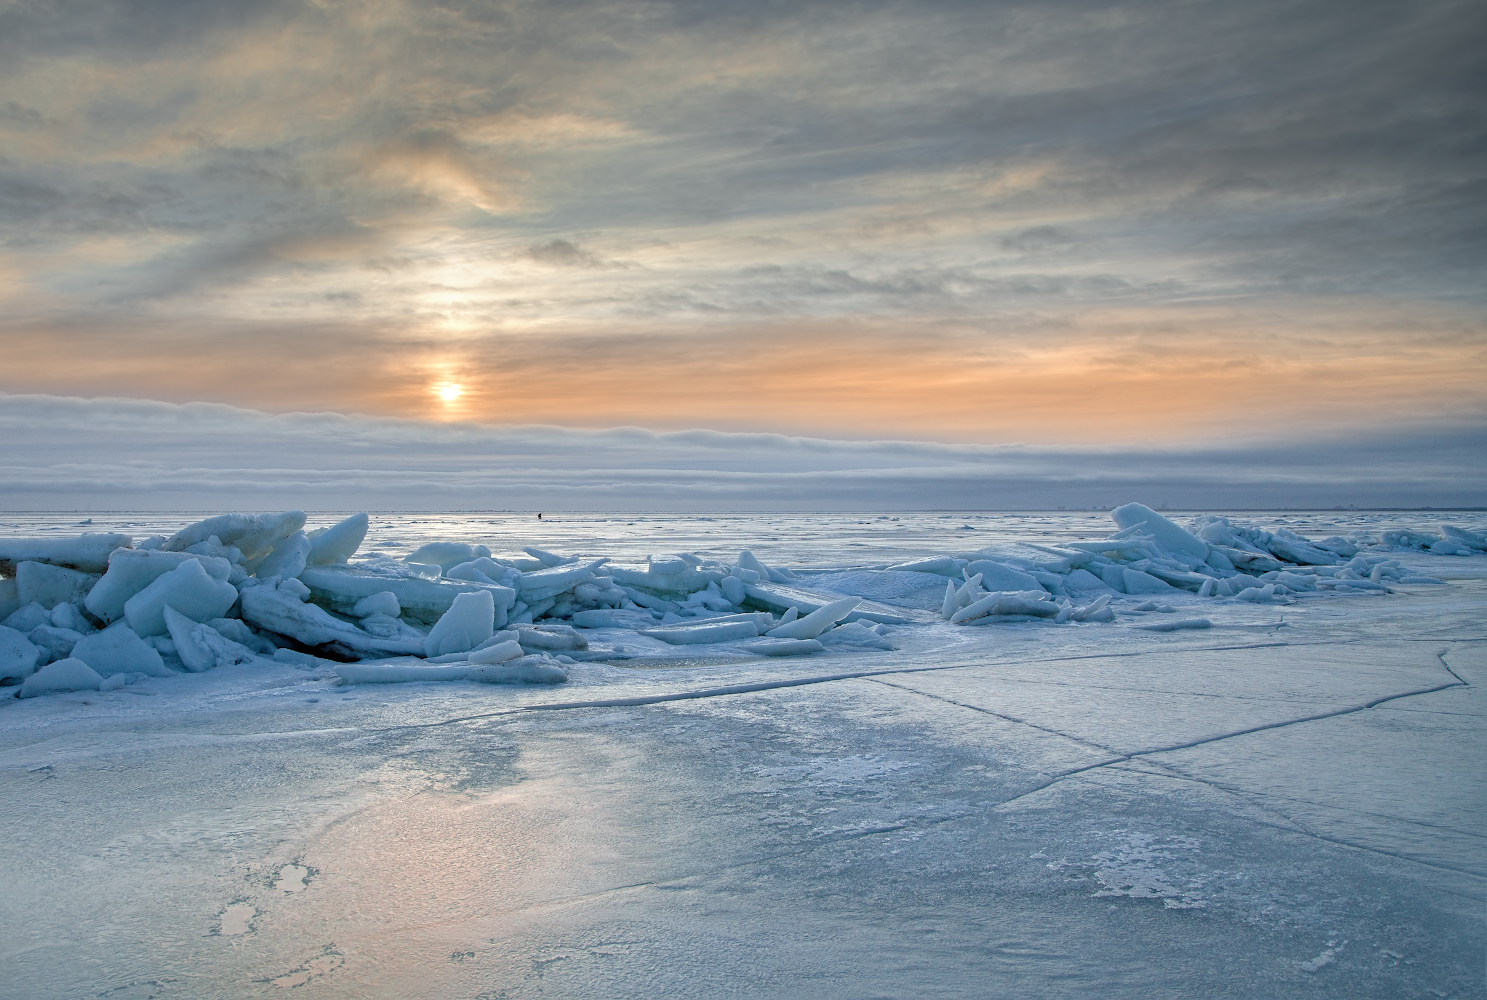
(1230, 249)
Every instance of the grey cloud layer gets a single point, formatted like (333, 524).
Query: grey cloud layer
(130, 454)
(423, 161)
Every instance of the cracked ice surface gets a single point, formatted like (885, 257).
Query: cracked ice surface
(1252, 810)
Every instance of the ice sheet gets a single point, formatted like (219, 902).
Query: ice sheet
(1287, 803)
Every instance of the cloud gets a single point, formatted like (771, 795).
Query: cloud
(110, 454)
(1052, 222)
(562, 253)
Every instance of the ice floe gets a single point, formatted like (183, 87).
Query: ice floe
(99, 610)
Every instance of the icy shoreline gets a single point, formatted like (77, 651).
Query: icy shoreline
(102, 610)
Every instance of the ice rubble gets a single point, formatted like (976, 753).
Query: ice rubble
(97, 611)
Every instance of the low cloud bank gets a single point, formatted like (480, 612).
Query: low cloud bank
(67, 453)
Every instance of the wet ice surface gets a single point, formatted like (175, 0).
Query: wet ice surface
(1015, 810)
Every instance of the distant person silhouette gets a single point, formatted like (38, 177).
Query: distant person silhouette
(539, 515)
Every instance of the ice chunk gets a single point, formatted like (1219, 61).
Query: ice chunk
(523, 670)
(1167, 533)
(339, 542)
(687, 582)
(49, 585)
(10, 599)
(271, 609)
(733, 590)
(31, 616)
(1254, 562)
(549, 559)
(747, 560)
(546, 583)
(784, 647)
(1261, 595)
(88, 553)
(781, 597)
(383, 603)
(1338, 545)
(388, 627)
(667, 565)
(951, 604)
(1082, 581)
(1294, 548)
(286, 560)
(114, 682)
(295, 589)
(188, 588)
(817, 621)
(446, 554)
(613, 618)
(341, 587)
(64, 675)
(18, 655)
(999, 576)
(1180, 625)
(132, 570)
(213, 547)
(238, 631)
(1217, 560)
(469, 621)
(68, 616)
(685, 635)
(202, 647)
(853, 634)
(1026, 603)
(54, 643)
(1180, 578)
(1292, 581)
(254, 534)
(1137, 582)
(551, 636)
(967, 593)
(119, 650)
(1470, 539)
(497, 653)
(1089, 611)
(942, 566)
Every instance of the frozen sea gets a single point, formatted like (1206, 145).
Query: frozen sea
(1290, 803)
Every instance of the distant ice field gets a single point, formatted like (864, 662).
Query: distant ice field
(827, 540)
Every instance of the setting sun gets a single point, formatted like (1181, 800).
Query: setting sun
(449, 391)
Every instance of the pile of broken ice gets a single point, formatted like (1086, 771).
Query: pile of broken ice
(98, 611)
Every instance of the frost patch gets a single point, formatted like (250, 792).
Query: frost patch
(327, 961)
(237, 919)
(1324, 959)
(292, 878)
(1141, 868)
